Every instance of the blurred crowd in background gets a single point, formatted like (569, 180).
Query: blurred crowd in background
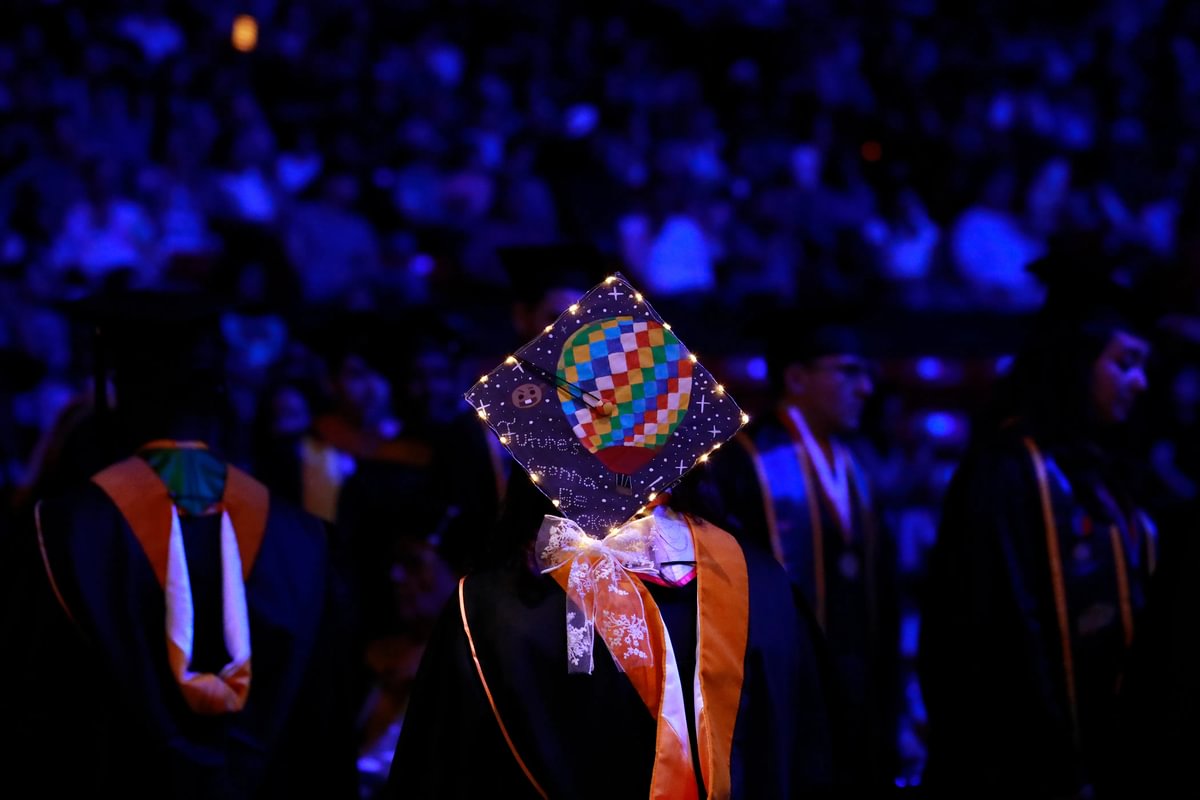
(319, 164)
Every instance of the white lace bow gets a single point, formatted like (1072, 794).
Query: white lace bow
(601, 594)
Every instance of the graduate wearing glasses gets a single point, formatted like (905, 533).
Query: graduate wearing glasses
(792, 483)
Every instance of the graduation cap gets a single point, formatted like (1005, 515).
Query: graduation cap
(606, 408)
(1093, 291)
(800, 335)
(816, 338)
(168, 339)
(1098, 289)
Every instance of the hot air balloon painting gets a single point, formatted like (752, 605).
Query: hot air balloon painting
(606, 409)
(632, 382)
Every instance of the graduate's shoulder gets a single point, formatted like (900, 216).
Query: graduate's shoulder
(80, 506)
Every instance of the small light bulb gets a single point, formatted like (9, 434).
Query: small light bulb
(556, 503)
(482, 414)
(652, 495)
(533, 476)
(573, 308)
(244, 35)
(703, 458)
(610, 279)
(503, 440)
(549, 328)
(510, 360)
(693, 357)
(484, 379)
(637, 296)
(745, 419)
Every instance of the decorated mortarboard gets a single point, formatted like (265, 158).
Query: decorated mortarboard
(606, 408)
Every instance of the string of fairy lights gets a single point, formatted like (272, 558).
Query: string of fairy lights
(515, 361)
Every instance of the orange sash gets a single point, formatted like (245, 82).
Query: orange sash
(723, 615)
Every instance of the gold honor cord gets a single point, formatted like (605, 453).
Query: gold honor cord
(803, 457)
(764, 486)
(462, 610)
(1058, 584)
(1125, 599)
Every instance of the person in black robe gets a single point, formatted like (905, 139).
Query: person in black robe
(1037, 581)
(175, 630)
(495, 712)
(715, 675)
(793, 484)
(1161, 696)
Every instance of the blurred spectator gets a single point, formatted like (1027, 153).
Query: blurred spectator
(907, 241)
(105, 234)
(153, 31)
(299, 165)
(334, 250)
(992, 245)
(248, 185)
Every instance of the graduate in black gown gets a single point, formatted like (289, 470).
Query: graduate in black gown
(793, 485)
(710, 684)
(1037, 581)
(1159, 737)
(175, 631)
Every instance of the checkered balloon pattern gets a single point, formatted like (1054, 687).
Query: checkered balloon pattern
(639, 378)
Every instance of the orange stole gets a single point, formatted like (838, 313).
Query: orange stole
(723, 630)
(143, 501)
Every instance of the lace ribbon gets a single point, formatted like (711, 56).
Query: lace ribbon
(601, 594)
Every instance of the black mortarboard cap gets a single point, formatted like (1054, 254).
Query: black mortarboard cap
(145, 320)
(169, 337)
(1090, 284)
(535, 269)
(813, 339)
(800, 334)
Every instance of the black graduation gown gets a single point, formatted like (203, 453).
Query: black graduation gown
(861, 618)
(472, 468)
(1161, 697)
(991, 656)
(100, 713)
(387, 498)
(585, 736)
